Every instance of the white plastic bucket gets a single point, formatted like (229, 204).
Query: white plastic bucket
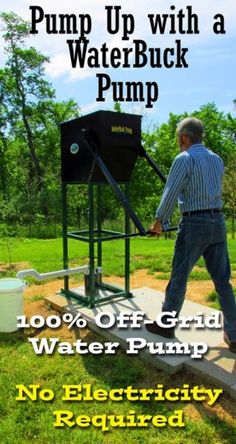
(11, 303)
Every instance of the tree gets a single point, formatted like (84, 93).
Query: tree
(220, 130)
(29, 127)
(24, 84)
(219, 135)
(230, 191)
(3, 139)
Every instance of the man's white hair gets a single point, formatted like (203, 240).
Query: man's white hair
(192, 127)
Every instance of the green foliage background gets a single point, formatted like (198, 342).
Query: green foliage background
(30, 190)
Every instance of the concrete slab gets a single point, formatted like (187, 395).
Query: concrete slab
(218, 375)
(59, 302)
(169, 364)
(233, 391)
(151, 303)
(218, 365)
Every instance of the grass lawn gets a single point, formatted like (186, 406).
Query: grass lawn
(46, 255)
(27, 422)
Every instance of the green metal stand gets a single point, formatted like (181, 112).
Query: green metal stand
(96, 291)
(89, 164)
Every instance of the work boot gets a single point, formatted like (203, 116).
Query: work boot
(231, 344)
(157, 330)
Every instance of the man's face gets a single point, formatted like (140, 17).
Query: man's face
(180, 142)
(183, 142)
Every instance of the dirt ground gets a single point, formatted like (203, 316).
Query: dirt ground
(197, 291)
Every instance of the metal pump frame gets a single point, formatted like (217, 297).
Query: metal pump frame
(97, 235)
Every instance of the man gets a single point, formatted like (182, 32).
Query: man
(195, 179)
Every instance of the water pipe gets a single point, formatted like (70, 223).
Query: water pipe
(58, 273)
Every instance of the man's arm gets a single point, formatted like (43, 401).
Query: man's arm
(176, 180)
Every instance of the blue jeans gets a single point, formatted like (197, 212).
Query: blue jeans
(202, 234)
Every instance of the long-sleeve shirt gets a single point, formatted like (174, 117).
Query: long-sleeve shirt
(195, 180)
